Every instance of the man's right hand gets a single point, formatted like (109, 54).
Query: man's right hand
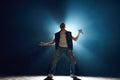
(42, 44)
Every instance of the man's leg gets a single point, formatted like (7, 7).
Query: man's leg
(54, 62)
(73, 62)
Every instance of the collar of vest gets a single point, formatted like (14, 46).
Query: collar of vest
(61, 30)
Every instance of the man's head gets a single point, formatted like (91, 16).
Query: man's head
(62, 26)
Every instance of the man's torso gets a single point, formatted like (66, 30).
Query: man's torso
(63, 41)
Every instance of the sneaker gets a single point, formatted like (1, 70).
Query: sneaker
(50, 75)
(73, 76)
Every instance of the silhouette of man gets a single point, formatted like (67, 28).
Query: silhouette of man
(63, 44)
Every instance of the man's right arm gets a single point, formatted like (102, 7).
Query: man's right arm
(51, 43)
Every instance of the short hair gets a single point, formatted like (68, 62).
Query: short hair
(62, 25)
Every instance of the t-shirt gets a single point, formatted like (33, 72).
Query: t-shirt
(63, 42)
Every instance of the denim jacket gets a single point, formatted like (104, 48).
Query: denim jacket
(68, 38)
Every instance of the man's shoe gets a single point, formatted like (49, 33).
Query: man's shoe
(73, 76)
(50, 75)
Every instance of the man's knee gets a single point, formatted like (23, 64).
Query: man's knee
(56, 55)
(73, 61)
(71, 56)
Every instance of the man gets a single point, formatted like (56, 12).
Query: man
(63, 44)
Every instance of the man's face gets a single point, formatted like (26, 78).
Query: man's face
(62, 27)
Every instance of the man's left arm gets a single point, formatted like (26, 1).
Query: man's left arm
(76, 37)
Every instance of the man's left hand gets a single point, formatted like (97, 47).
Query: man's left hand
(80, 31)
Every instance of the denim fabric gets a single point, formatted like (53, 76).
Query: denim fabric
(68, 38)
(58, 53)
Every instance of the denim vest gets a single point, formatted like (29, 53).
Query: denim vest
(68, 39)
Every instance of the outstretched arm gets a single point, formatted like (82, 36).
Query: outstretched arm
(51, 43)
(75, 38)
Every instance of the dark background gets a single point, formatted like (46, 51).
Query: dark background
(23, 29)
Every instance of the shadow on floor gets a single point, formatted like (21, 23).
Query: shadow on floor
(76, 78)
(50, 78)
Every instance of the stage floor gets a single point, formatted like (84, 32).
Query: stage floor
(56, 78)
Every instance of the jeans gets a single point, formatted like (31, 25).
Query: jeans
(58, 53)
